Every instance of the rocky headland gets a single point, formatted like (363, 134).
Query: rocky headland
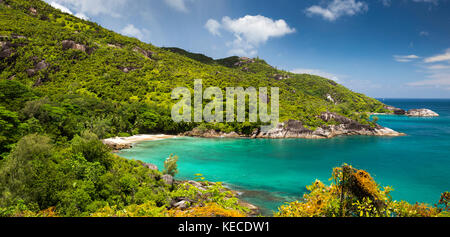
(421, 113)
(412, 112)
(295, 129)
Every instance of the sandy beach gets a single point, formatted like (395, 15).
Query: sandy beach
(118, 143)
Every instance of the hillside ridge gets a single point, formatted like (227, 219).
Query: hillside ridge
(75, 75)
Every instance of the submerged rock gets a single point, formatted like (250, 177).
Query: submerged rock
(421, 113)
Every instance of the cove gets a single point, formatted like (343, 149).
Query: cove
(270, 172)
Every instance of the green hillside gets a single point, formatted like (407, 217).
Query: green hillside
(75, 75)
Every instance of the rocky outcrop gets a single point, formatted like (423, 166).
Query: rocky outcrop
(70, 44)
(243, 61)
(150, 166)
(117, 46)
(254, 210)
(421, 113)
(147, 53)
(331, 99)
(183, 203)
(209, 133)
(168, 179)
(33, 11)
(127, 69)
(280, 77)
(412, 112)
(117, 144)
(342, 126)
(6, 49)
(41, 65)
(395, 110)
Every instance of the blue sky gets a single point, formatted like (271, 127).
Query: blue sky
(383, 48)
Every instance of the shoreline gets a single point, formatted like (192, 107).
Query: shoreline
(120, 143)
(287, 129)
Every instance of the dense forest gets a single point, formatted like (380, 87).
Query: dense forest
(66, 83)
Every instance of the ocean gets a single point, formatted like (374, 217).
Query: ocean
(270, 172)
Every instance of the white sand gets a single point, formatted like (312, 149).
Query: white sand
(137, 138)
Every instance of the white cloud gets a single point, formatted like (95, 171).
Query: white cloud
(82, 16)
(93, 7)
(316, 72)
(338, 8)
(439, 58)
(67, 10)
(438, 67)
(131, 30)
(406, 58)
(256, 29)
(61, 7)
(249, 32)
(436, 80)
(424, 33)
(438, 75)
(179, 5)
(213, 27)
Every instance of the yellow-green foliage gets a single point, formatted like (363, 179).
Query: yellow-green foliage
(208, 210)
(320, 201)
(148, 209)
(354, 193)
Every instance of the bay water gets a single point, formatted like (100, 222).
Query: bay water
(270, 172)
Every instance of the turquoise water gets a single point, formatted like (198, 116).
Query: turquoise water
(271, 172)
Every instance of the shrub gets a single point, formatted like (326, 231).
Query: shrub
(170, 165)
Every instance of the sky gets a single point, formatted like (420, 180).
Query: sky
(382, 48)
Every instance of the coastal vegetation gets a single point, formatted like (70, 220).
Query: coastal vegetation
(62, 75)
(66, 83)
(83, 178)
(354, 193)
